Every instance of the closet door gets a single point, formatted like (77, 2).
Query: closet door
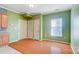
(30, 28)
(36, 28)
(22, 29)
(4, 21)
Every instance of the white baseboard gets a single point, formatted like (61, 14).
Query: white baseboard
(73, 49)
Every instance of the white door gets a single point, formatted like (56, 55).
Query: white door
(30, 28)
(22, 29)
(36, 28)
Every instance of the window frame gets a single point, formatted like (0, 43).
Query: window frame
(60, 21)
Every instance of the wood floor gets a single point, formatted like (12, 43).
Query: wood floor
(29, 46)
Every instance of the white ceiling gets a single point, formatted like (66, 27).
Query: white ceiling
(38, 8)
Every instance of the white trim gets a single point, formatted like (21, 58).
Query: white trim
(41, 27)
(72, 49)
(9, 9)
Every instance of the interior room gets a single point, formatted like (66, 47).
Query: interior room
(39, 29)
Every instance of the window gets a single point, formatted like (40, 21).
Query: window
(56, 27)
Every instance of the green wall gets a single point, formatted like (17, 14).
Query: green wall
(12, 29)
(66, 26)
(13, 19)
(75, 28)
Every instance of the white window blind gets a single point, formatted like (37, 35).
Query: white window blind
(56, 27)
